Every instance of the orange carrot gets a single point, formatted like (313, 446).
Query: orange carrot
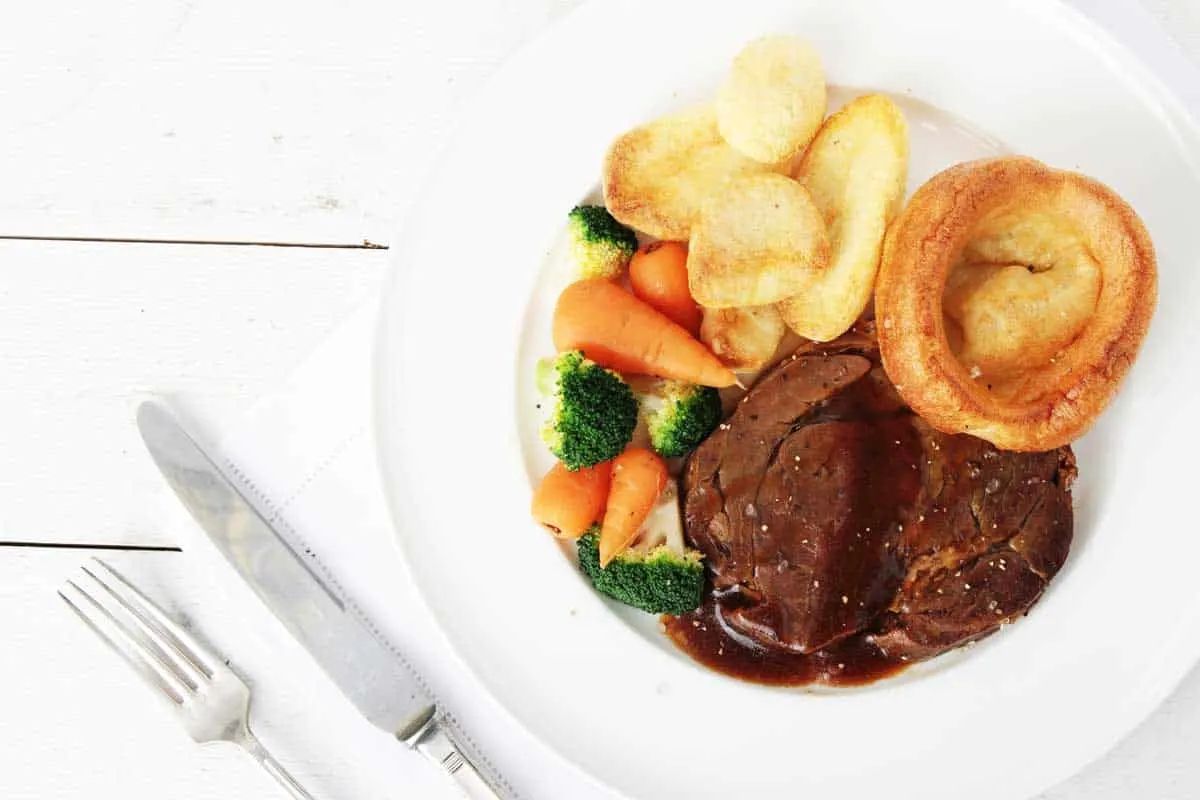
(619, 331)
(658, 274)
(568, 503)
(638, 478)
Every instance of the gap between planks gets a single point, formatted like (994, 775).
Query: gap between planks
(140, 548)
(365, 245)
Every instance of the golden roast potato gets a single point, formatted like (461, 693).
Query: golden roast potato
(773, 99)
(743, 338)
(855, 170)
(759, 241)
(657, 176)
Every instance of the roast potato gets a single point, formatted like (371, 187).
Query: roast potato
(773, 99)
(657, 176)
(743, 338)
(855, 170)
(759, 241)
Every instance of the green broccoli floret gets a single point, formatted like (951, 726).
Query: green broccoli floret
(600, 246)
(662, 580)
(679, 416)
(594, 412)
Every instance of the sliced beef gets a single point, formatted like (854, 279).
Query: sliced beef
(829, 513)
(994, 527)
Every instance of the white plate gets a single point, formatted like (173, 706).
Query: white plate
(1116, 630)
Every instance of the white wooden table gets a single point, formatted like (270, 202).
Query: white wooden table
(193, 193)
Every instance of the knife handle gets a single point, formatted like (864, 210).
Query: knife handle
(438, 744)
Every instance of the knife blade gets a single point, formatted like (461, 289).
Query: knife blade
(377, 679)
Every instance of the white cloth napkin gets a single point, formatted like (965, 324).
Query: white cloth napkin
(307, 451)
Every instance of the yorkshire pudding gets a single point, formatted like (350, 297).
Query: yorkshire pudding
(1012, 299)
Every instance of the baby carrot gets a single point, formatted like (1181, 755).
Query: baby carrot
(619, 331)
(658, 274)
(638, 478)
(568, 503)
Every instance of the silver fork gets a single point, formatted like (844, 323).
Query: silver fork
(211, 701)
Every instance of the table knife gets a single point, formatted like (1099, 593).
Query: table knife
(377, 679)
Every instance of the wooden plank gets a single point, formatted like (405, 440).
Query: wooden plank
(223, 120)
(1180, 20)
(85, 329)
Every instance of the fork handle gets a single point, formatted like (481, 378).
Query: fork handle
(267, 761)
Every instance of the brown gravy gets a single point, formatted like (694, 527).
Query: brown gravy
(704, 636)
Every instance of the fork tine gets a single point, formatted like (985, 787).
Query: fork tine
(153, 618)
(126, 616)
(122, 642)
